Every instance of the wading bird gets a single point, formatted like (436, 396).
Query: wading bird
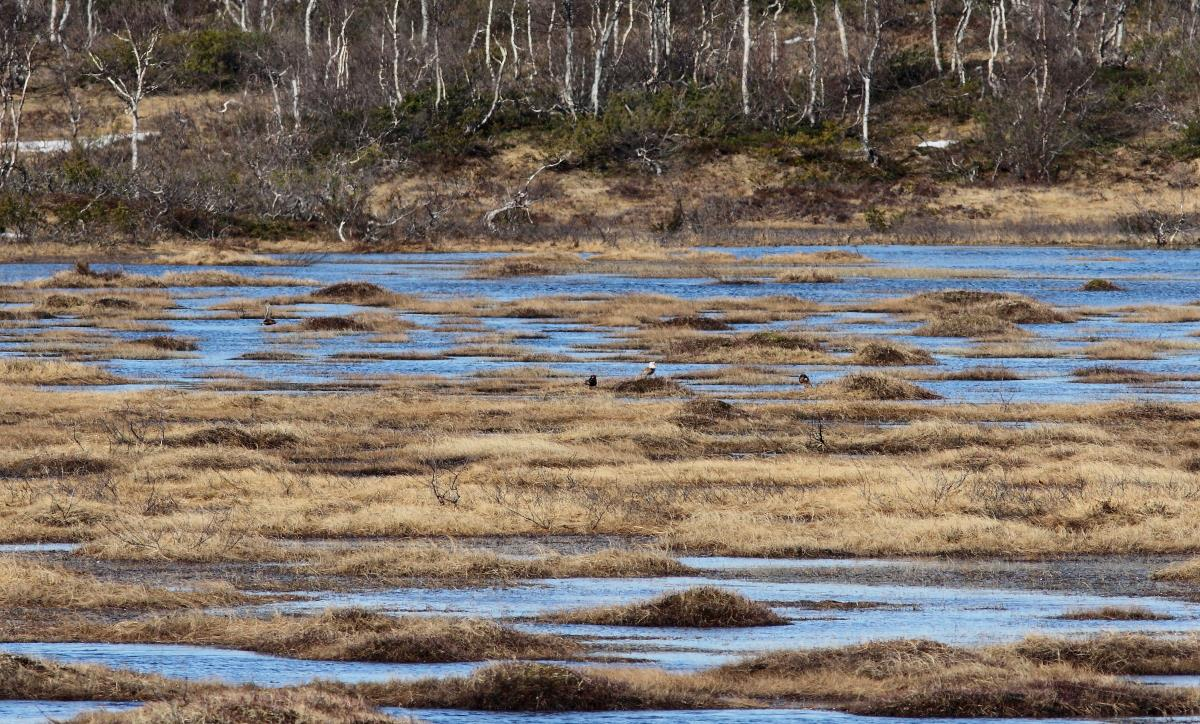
(649, 371)
(268, 320)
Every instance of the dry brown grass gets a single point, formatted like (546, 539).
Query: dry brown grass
(27, 585)
(1100, 285)
(208, 477)
(1185, 571)
(1114, 613)
(463, 565)
(23, 371)
(530, 687)
(249, 706)
(970, 324)
(1117, 653)
(23, 677)
(698, 607)
(84, 277)
(873, 386)
(335, 635)
(890, 354)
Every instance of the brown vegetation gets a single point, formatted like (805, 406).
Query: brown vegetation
(698, 607)
(335, 635)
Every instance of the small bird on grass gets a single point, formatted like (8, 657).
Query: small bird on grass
(591, 381)
(649, 371)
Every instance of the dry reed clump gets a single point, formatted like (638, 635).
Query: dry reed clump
(55, 465)
(463, 565)
(25, 371)
(249, 706)
(533, 265)
(1114, 613)
(983, 373)
(829, 256)
(1100, 285)
(970, 324)
(26, 584)
(874, 386)
(169, 344)
(929, 679)
(708, 411)
(692, 321)
(889, 354)
(335, 635)
(334, 324)
(530, 687)
(878, 660)
(807, 276)
(258, 438)
(697, 607)
(1117, 653)
(1015, 308)
(767, 347)
(24, 677)
(1184, 571)
(1147, 411)
(1113, 375)
(354, 293)
(82, 276)
(1001, 693)
(658, 386)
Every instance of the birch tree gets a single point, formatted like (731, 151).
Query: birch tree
(131, 89)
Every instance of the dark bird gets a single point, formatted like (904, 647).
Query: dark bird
(268, 320)
(649, 371)
(803, 380)
(591, 381)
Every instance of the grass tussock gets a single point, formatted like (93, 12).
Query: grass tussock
(354, 323)
(83, 276)
(1036, 694)
(435, 563)
(532, 265)
(249, 706)
(25, 371)
(354, 293)
(890, 354)
(24, 677)
(827, 257)
(1100, 285)
(698, 607)
(1117, 653)
(335, 635)
(692, 321)
(531, 687)
(169, 344)
(260, 438)
(873, 386)
(657, 386)
(1184, 571)
(807, 276)
(28, 585)
(1114, 613)
(970, 324)
(1114, 375)
(982, 373)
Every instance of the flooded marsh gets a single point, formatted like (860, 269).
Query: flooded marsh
(938, 484)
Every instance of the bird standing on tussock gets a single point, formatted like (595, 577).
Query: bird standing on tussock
(649, 371)
(268, 320)
(803, 380)
(591, 381)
